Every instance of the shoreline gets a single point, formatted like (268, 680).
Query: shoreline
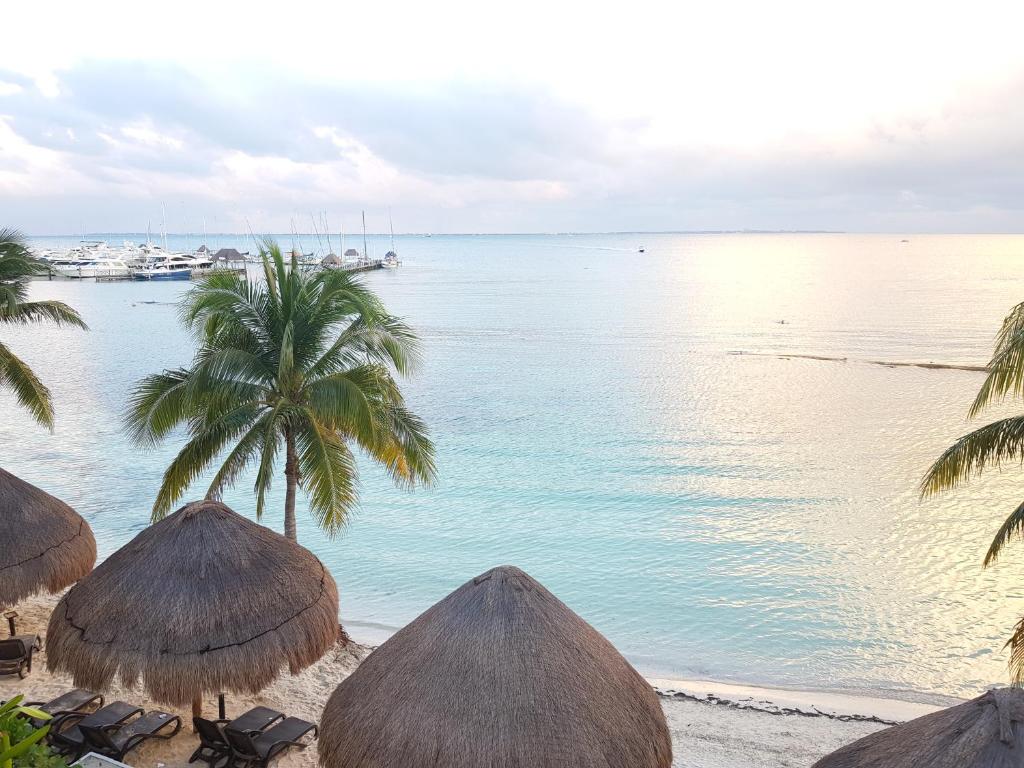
(830, 704)
(878, 706)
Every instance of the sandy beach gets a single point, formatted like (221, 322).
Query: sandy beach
(713, 725)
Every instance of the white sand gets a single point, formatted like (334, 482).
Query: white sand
(715, 726)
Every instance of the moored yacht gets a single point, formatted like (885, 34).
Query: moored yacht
(162, 270)
(91, 268)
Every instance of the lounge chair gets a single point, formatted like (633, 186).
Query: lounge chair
(213, 746)
(116, 741)
(16, 654)
(73, 702)
(66, 737)
(259, 749)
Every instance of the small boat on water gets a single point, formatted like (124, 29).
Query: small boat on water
(390, 260)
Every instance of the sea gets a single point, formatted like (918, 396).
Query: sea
(710, 449)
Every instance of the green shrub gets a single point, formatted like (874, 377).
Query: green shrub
(21, 744)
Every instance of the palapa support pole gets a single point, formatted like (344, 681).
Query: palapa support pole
(221, 707)
(197, 708)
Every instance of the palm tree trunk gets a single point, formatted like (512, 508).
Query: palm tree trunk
(291, 473)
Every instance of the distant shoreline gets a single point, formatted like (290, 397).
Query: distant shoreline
(103, 235)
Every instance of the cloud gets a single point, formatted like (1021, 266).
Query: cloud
(111, 141)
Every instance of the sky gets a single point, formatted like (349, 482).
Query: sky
(534, 116)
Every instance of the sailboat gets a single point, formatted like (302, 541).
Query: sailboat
(390, 260)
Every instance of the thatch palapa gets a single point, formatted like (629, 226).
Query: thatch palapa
(500, 674)
(44, 543)
(202, 601)
(986, 732)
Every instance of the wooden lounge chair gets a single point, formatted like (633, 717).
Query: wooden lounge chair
(16, 654)
(73, 702)
(259, 749)
(116, 741)
(213, 746)
(66, 737)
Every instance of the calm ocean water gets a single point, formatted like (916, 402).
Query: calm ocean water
(717, 515)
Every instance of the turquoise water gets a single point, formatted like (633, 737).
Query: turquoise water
(717, 515)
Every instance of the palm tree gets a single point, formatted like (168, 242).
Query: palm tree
(991, 446)
(299, 360)
(17, 267)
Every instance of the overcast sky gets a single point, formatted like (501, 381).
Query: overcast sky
(896, 116)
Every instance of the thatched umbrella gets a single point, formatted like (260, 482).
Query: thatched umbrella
(986, 732)
(500, 673)
(202, 601)
(331, 260)
(44, 543)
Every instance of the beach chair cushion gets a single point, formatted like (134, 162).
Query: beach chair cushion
(264, 746)
(290, 729)
(256, 719)
(117, 741)
(74, 701)
(71, 739)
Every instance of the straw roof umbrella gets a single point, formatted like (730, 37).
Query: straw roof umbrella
(986, 732)
(500, 673)
(202, 601)
(44, 543)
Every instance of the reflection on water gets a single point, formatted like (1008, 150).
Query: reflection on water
(718, 515)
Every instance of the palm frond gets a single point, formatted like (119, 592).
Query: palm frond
(239, 457)
(56, 312)
(268, 456)
(347, 400)
(156, 405)
(328, 474)
(29, 391)
(989, 445)
(1012, 527)
(1016, 646)
(408, 452)
(197, 454)
(1006, 368)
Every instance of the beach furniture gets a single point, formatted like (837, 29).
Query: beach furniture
(498, 673)
(222, 616)
(213, 746)
(16, 654)
(259, 749)
(116, 741)
(986, 732)
(74, 701)
(66, 736)
(44, 543)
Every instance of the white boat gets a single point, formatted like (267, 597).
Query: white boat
(92, 268)
(390, 260)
